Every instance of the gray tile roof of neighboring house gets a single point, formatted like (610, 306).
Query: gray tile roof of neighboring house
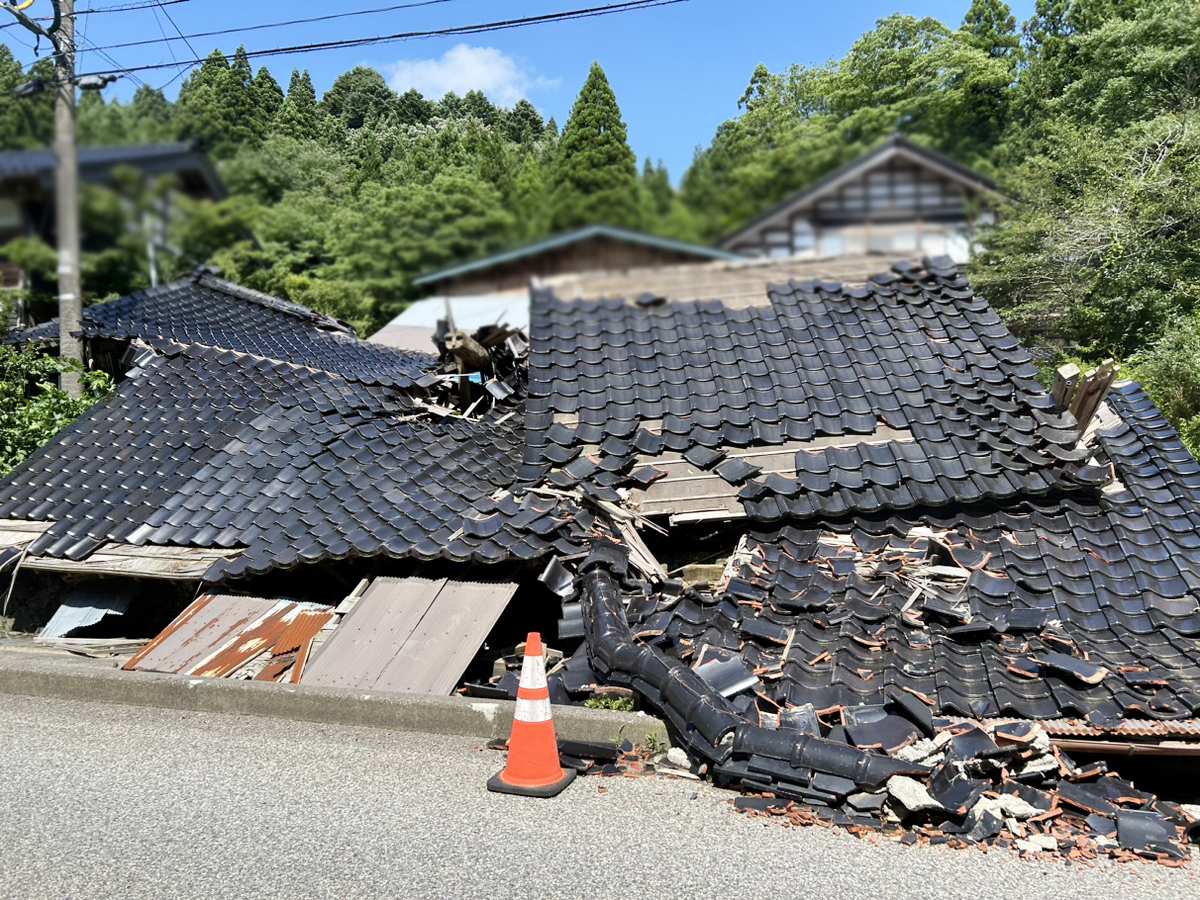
(209, 311)
(573, 237)
(96, 164)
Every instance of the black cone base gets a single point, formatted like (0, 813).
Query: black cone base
(499, 785)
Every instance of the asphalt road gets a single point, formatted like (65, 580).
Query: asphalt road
(102, 801)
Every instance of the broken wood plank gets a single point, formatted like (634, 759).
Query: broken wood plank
(1065, 381)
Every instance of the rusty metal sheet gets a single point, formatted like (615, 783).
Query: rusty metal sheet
(1123, 728)
(205, 626)
(276, 667)
(410, 634)
(372, 632)
(302, 630)
(259, 638)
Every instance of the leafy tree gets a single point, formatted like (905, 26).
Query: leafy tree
(478, 106)
(413, 109)
(32, 408)
(656, 191)
(268, 98)
(1102, 248)
(991, 27)
(99, 122)
(217, 105)
(299, 115)
(493, 161)
(529, 201)
(359, 98)
(25, 121)
(451, 106)
(523, 124)
(150, 115)
(393, 234)
(1169, 370)
(595, 179)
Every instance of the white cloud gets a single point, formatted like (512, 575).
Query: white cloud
(465, 68)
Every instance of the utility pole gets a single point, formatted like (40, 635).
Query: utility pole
(61, 35)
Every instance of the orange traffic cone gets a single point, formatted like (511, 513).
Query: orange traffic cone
(533, 768)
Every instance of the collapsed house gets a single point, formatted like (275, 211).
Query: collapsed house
(838, 536)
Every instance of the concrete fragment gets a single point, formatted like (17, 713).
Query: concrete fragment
(1005, 805)
(1041, 741)
(917, 752)
(677, 757)
(1039, 765)
(911, 794)
(1036, 842)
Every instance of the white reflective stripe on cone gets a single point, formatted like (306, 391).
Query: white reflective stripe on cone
(532, 710)
(533, 672)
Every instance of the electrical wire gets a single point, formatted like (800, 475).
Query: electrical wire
(311, 20)
(163, 7)
(459, 30)
(169, 41)
(143, 4)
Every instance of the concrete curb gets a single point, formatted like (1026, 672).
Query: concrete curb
(45, 673)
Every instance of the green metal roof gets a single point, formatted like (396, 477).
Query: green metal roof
(572, 237)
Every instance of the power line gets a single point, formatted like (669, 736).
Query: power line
(308, 21)
(142, 4)
(163, 6)
(461, 30)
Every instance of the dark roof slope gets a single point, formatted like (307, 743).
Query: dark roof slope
(209, 311)
(906, 392)
(210, 448)
(96, 164)
(929, 520)
(1102, 580)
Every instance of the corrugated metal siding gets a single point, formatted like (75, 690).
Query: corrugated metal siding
(373, 632)
(86, 605)
(411, 634)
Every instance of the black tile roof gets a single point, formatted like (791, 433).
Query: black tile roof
(209, 311)
(914, 355)
(1080, 561)
(1102, 579)
(211, 448)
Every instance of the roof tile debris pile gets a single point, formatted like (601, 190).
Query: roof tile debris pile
(886, 766)
(915, 530)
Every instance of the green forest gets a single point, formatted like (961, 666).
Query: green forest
(1087, 115)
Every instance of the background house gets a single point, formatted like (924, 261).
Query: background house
(898, 200)
(27, 190)
(495, 289)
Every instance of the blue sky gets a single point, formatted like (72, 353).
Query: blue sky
(677, 70)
